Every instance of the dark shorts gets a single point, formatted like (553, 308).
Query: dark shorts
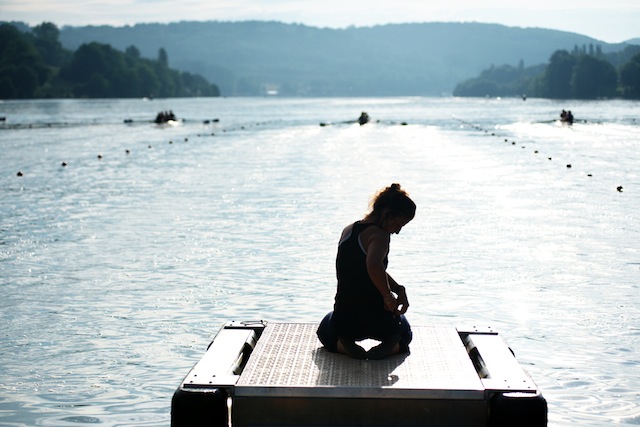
(328, 334)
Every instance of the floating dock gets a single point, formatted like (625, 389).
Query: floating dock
(278, 374)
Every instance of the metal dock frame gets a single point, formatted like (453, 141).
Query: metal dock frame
(278, 374)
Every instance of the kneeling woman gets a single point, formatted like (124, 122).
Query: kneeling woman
(368, 302)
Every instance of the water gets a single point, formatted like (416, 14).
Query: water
(117, 272)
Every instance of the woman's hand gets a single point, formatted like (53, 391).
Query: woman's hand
(402, 300)
(390, 302)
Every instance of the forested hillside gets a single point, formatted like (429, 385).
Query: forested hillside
(251, 58)
(580, 74)
(33, 64)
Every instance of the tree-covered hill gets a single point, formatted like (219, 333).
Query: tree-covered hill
(249, 58)
(33, 64)
(580, 74)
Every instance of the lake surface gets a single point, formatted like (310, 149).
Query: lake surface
(116, 272)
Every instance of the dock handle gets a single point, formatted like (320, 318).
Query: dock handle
(203, 397)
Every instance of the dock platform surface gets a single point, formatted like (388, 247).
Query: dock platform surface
(290, 361)
(258, 374)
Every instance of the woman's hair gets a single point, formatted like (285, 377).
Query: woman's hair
(395, 201)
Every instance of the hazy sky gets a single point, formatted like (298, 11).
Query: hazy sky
(607, 20)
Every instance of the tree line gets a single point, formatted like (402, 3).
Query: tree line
(579, 74)
(33, 64)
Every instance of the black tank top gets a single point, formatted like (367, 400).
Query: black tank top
(357, 296)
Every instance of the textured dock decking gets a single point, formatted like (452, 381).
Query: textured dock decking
(289, 361)
(256, 374)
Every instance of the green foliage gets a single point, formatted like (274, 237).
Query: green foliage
(46, 40)
(163, 58)
(505, 80)
(556, 80)
(35, 65)
(22, 69)
(623, 56)
(630, 78)
(578, 75)
(593, 78)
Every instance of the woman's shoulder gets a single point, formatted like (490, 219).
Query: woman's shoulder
(374, 233)
(359, 227)
(346, 232)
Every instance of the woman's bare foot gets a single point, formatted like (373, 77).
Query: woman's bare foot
(386, 348)
(351, 349)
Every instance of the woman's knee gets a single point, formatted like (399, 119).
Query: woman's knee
(326, 335)
(405, 333)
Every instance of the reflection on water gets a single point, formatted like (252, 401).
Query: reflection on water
(116, 272)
